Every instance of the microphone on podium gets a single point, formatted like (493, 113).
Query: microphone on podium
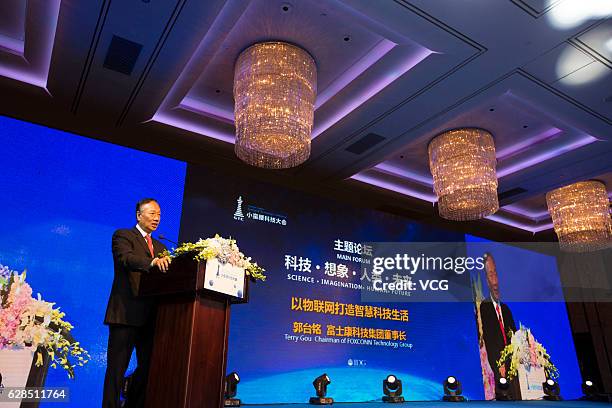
(163, 237)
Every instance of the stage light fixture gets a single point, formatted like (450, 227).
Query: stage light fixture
(452, 390)
(551, 390)
(320, 384)
(392, 388)
(230, 390)
(588, 388)
(591, 392)
(502, 390)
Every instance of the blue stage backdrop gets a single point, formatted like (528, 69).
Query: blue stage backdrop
(295, 326)
(63, 196)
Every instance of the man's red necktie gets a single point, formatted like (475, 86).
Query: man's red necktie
(501, 324)
(150, 244)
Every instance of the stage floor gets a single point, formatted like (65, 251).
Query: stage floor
(441, 404)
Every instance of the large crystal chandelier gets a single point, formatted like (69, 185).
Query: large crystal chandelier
(462, 162)
(581, 216)
(274, 91)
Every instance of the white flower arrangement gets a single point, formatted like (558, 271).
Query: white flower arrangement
(27, 321)
(525, 350)
(224, 250)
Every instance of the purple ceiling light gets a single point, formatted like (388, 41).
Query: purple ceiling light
(40, 35)
(526, 144)
(12, 45)
(204, 108)
(547, 155)
(527, 213)
(376, 66)
(372, 57)
(394, 187)
(510, 151)
(533, 228)
(379, 51)
(405, 173)
(193, 126)
(374, 88)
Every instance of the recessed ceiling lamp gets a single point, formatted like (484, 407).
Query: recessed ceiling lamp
(274, 92)
(581, 216)
(462, 162)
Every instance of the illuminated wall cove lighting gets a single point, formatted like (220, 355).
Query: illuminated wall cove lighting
(581, 216)
(274, 91)
(462, 163)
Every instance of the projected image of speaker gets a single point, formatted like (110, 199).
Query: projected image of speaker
(452, 390)
(392, 388)
(230, 389)
(552, 391)
(502, 390)
(320, 384)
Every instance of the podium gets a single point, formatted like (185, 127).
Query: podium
(190, 348)
(530, 382)
(18, 369)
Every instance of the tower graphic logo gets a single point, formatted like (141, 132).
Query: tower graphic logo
(238, 215)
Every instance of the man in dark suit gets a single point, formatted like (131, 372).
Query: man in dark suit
(131, 319)
(497, 323)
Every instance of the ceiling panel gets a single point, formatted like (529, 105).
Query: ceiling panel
(12, 25)
(391, 75)
(536, 7)
(598, 40)
(530, 137)
(536, 209)
(354, 62)
(588, 86)
(559, 62)
(25, 50)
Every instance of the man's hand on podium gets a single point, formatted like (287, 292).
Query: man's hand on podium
(162, 263)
